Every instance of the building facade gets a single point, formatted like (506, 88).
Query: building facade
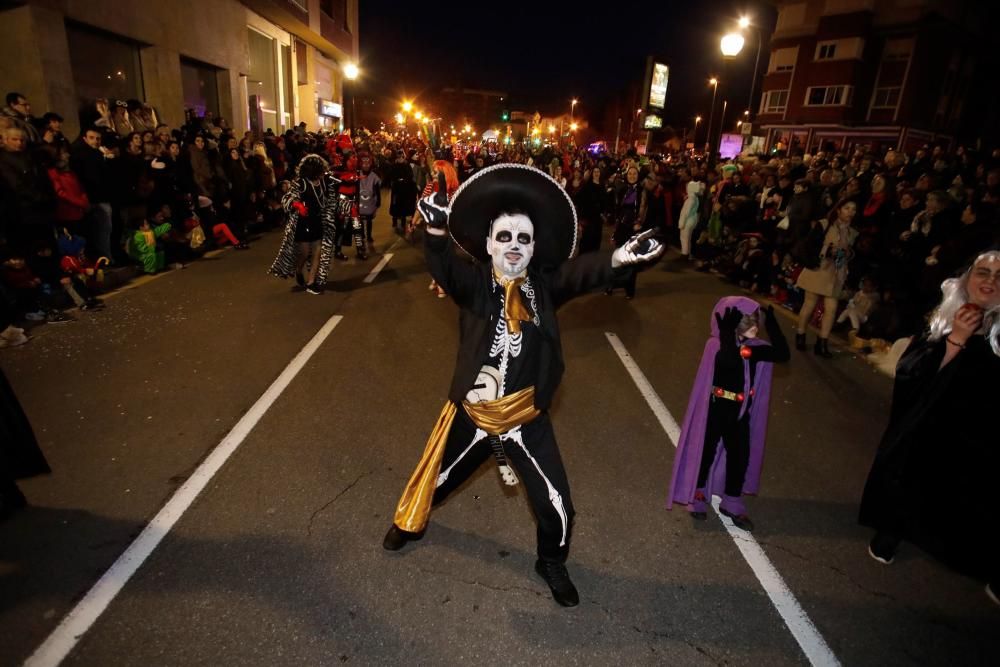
(256, 63)
(868, 73)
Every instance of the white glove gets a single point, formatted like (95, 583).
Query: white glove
(640, 248)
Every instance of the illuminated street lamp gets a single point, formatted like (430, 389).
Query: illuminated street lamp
(552, 129)
(351, 73)
(731, 45)
(407, 106)
(744, 22)
(572, 127)
(694, 136)
(711, 113)
(399, 118)
(572, 104)
(468, 128)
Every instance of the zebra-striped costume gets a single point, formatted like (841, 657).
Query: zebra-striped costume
(284, 264)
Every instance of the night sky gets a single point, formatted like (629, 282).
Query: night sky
(545, 53)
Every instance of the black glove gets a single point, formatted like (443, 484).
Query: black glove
(769, 318)
(434, 207)
(729, 321)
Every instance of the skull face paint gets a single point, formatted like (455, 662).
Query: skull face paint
(511, 244)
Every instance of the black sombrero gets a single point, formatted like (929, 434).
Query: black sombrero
(510, 188)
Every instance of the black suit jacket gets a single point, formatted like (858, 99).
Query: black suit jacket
(470, 285)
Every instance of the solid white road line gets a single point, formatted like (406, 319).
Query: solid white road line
(808, 637)
(62, 640)
(370, 278)
(663, 415)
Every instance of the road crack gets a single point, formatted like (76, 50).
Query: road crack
(335, 499)
(476, 582)
(696, 647)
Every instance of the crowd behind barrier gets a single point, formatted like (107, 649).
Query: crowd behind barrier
(879, 232)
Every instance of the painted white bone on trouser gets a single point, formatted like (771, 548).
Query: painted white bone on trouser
(554, 496)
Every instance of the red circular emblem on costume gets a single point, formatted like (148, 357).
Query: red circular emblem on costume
(746, 352)
(719, 392)
(740, 397)
(752, 392)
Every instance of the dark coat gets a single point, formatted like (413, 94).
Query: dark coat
(91, 168)
(20, 456)
(469, 286)
(935, 470)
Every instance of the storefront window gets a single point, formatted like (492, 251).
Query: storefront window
(262, 79)
(104, 65)
(201, 87)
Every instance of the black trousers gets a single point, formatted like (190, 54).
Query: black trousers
(349, 230)
(539, 469)
(725, 423)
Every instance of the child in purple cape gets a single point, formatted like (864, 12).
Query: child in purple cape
(728, 404)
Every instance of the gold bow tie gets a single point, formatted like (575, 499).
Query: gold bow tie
(514, 310)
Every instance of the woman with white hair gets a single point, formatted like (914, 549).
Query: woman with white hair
(934, 478)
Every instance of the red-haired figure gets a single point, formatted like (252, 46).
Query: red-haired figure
(451, 178)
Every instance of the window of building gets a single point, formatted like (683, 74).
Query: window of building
(262, 78)
(774, 101)
(337, 10)
(828, 96)
(840, 49)
(200, 84)
(783, 60)
(886, 98)
(104, 65)
(897, 49)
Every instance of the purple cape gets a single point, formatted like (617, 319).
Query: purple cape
(692, 441)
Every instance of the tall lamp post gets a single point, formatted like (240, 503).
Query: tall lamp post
(711, 116)
(731, 45)
(694, 135)
(351, 73)
(744, 24)
(572, 104)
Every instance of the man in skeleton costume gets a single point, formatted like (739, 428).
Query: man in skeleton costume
(521, 226)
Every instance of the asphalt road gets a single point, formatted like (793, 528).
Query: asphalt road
(279, 560)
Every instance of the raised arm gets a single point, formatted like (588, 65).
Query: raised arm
(459, 278)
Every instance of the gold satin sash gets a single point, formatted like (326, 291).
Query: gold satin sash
(494, 417)
(514, 310)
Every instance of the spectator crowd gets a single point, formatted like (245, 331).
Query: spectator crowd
(849, 239)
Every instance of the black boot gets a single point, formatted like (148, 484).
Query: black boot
(397, 538)
(800, 341)
(822, 348)
(556, 576)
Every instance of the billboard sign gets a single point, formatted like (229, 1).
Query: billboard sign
(658, 85)
(330, 108)
(652, 122)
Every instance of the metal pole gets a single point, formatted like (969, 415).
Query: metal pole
(618, 134)
(711, 117)
(753, 81)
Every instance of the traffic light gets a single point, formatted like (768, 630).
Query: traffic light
(505, 115)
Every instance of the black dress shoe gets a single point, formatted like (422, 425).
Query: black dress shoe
(397, 538)
(800, 341)
(556, 576)
(699, 516)
(739, 520)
